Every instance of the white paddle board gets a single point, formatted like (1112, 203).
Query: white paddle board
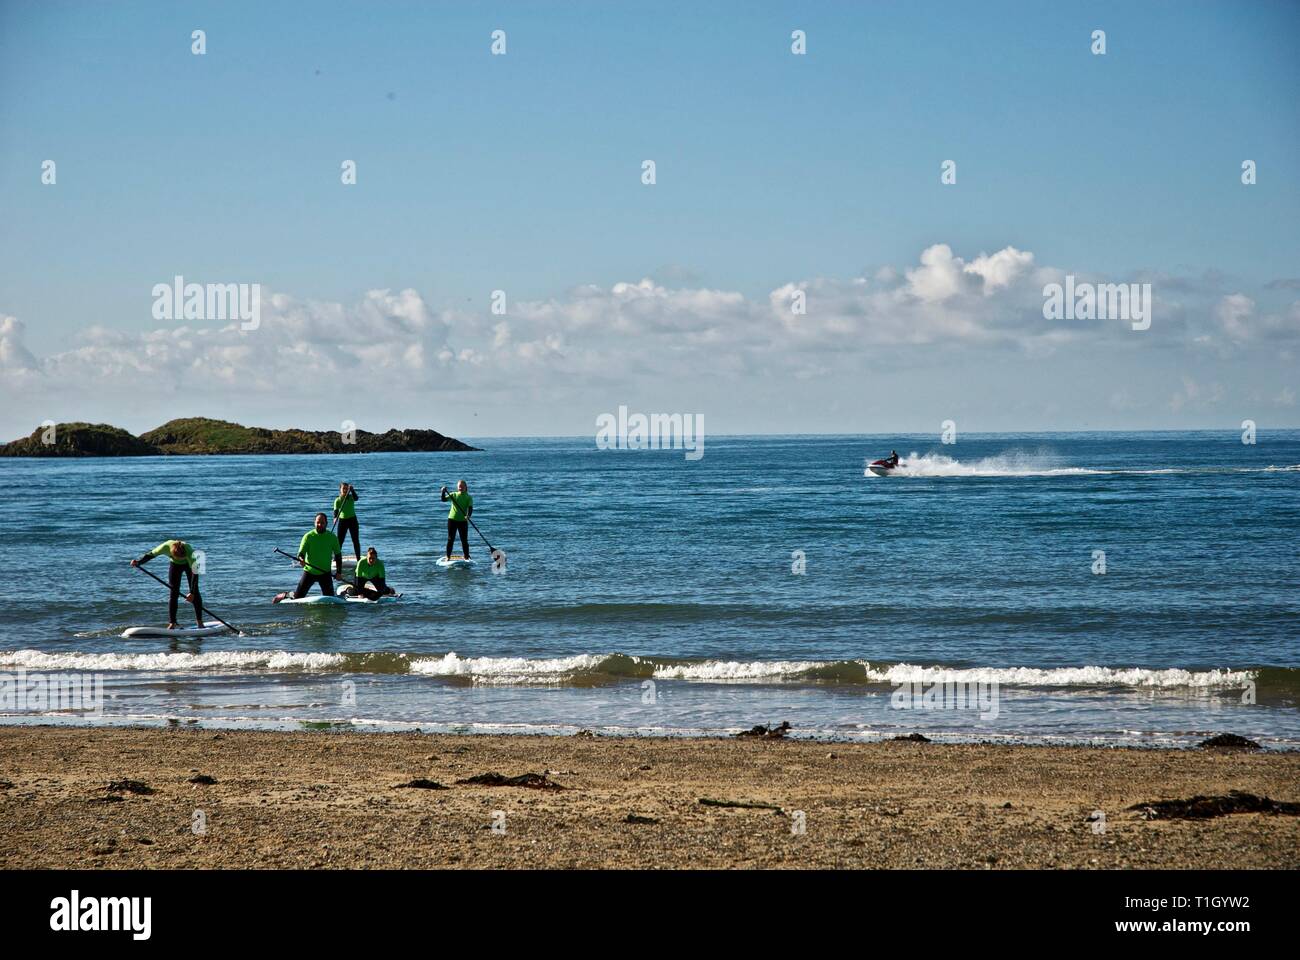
(449, 563)
(315, 598)
(196, 631)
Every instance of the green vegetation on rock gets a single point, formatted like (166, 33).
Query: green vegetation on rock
(80, 440)
(199, 435)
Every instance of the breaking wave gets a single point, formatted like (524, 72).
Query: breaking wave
(595, 669)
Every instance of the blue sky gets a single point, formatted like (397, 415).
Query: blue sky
(522, 173)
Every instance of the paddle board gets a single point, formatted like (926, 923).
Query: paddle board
(196, 631)
(452, 562)
(384, 599)
(315, 598)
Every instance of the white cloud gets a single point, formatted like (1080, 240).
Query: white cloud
(1194, 396)
(15, 358)
(1001, 269)
(593, 335)
(1233, 312)
(939, 276)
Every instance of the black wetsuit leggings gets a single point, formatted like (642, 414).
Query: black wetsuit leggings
(304, 584)
(347, 524)
(454, 527)
(174, 572)
(378, 588)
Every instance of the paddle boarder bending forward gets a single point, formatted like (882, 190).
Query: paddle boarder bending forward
(181, 555)
(369, 569)
(462, 507)
(314, 553)
(345, 511)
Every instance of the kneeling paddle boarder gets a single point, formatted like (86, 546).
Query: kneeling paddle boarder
(314, 553)
(370, 570)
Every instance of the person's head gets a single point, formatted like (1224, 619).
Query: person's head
(178, 549)
(343, 488)
(321, 522)
(372, 554)
(462, 486)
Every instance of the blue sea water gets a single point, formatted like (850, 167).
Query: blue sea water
(771, 580)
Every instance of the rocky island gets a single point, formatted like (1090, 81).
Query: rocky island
(202, 436)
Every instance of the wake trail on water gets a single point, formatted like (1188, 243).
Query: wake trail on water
(1039, 463)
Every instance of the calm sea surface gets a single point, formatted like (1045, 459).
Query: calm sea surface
(647, 593)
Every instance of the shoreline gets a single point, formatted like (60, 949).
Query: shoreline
(560, 730)
(130, 797)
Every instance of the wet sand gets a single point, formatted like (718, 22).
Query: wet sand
(332, 800)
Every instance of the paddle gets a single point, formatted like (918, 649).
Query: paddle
(495, 553)
(201, 607)
(298, 561)
(351, 490)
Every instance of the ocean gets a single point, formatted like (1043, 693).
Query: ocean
(1101, 588)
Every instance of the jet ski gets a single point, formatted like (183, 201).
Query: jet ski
(884, 466)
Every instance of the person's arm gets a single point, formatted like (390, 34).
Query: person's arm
(444, 498)
(155, 552)
(352, 492)
(302, 549)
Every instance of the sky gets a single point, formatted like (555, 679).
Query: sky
(779, 177)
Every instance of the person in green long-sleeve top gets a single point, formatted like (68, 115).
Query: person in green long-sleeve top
(345, 512)
(182, 558)
(462, 507)
(370, 579)
(315, 551)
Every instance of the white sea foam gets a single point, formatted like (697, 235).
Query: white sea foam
(507, 669)
(738, 670)
(1087, 676)
(522, 670)
(275, 660)
(1065, 676)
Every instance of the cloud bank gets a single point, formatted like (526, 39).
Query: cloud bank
(939, 307)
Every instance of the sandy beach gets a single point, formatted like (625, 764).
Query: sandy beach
(187, 797)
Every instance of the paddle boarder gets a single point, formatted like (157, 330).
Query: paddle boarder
(181, 557)
(345, 512)
(462, 508)
(314, 553)
(370, 570)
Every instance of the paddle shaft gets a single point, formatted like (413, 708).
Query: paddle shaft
(141, 568)
(351, 489)
(298, 560)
